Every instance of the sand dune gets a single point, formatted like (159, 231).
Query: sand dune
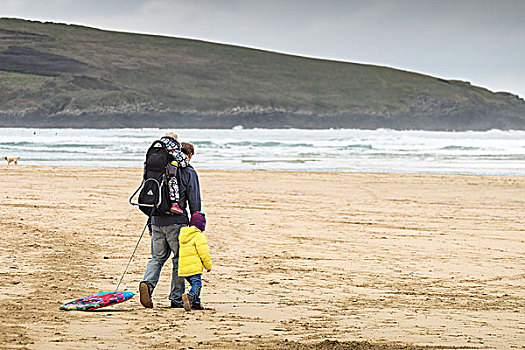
(368, 260)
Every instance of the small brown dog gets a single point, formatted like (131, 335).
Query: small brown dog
(12, 159)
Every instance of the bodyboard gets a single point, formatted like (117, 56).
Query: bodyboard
(97, 301)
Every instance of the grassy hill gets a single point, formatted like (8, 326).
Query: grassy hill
(60, 75)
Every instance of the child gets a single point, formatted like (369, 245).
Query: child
(179, 159)
(194, 254)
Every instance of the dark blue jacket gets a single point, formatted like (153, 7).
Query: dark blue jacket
(190, 197)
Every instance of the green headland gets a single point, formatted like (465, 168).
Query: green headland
(57, 75)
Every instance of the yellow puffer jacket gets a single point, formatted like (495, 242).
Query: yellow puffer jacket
(193, 252)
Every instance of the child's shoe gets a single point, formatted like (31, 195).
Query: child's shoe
(187, 299)
(197, 306)
(175, 209)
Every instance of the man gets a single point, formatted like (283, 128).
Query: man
(165, 236)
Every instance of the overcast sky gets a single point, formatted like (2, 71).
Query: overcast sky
(479, 41)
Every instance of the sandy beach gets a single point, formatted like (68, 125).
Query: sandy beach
(301, 261)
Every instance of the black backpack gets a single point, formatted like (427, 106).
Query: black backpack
(154, 197)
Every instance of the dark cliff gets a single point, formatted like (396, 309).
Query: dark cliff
(55, 75)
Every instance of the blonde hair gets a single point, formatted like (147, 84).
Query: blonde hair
(171, 134)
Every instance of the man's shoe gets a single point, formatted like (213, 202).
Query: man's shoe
(145, 295)
(175, 305)
(197, 306)
(187, 299)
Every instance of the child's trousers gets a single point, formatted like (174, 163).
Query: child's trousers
(196, 285)
(173, 186)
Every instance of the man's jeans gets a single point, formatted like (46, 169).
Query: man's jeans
(164, 240)
(196, 285)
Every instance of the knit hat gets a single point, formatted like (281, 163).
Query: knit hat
(198, 220)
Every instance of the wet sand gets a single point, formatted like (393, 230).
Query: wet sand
(372, 261)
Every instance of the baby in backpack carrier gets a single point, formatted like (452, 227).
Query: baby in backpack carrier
(179, 160)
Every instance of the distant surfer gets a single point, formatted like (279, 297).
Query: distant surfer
(165, 231)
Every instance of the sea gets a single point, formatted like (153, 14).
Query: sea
(493, 152)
